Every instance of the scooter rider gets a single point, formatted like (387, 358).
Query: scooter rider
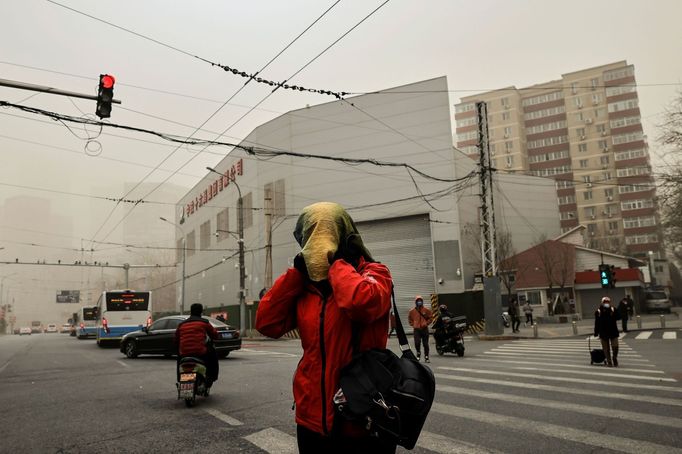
(190, 337)
(440, 327)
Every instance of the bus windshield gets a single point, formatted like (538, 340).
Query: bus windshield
(89, 314)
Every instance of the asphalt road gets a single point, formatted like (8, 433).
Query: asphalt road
(62, 395)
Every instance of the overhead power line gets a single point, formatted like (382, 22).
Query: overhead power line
(249, 76)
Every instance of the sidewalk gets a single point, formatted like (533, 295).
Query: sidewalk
(586, 327)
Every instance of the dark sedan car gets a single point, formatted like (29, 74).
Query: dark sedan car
(158, 339)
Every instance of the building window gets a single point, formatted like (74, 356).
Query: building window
(574, 87)
(507, 131)
(596, 98)
(589, 212)
(587, 195)
(640, 221)
(567, 200)
(592, 228)
(586, 179)
(608, 193)
(637, 204)
(613, 225)
(505, 102)
(598, 113)
(506, 116)
(580, 117)
(606, 176)
(594, 83)
(623, 105)
(205, 235)
(604, 160)
(578, 102)
(178, 251)
(582, 147)
(510, 161)
(247, 204)
(509, 146)
(580, 132)
(222, 225)
(603, 145)
(601, 128)
(191, 244)
(584, 163)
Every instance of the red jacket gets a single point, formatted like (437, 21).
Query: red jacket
(325, 327)
(190, 336)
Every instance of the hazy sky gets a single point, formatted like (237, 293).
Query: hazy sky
(479, 45)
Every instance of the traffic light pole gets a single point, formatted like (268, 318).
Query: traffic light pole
(51, 90)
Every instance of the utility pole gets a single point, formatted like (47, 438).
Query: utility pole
(492, 304)
(184, 262)
(242, 269)
(268, 241)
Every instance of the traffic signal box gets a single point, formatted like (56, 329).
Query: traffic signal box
(607, 276)
(105, 95)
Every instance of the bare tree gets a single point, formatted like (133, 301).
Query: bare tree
(557, 262)
(670, 180)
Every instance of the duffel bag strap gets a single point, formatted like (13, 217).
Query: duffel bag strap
(402, 337)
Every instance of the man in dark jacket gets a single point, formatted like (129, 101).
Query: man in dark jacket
(334, 285)
(625, 310)
(191, 337)
(606, 328)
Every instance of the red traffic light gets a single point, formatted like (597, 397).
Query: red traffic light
(107, 81)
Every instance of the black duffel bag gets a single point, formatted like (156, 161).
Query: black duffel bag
(390, 396)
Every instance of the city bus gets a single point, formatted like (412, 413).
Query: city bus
(120, 312)
(86, 323)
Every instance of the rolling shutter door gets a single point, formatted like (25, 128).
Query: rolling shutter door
(404, 246)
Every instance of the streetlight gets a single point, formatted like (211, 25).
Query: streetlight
(240, 240)
(184, 260)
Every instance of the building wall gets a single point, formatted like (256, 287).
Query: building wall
(590, 260)
(408, 125)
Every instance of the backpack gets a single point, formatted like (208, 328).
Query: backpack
(389, 395)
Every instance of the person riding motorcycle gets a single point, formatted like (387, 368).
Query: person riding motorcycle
(440, 326)
(191, 340)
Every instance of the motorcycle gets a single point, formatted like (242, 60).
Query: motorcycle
(506, 321)
(192, 383)
(450, 335)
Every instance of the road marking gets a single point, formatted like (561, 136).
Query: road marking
(442, 444)
(578, 366)
(577, 408)
(223, 417)
(568, 379)
(123, 364)
(610, 442)
(5, 365)
(571, 351)
(553, 355)
(562, 389)
(644, 335)
(274, 441)
(266, 352)
(602, 374)
(568, 359)
(670, 335)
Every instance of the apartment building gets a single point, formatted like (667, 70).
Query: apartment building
(584, 131)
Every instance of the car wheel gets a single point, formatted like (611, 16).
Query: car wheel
(131, 349)
(223, 355)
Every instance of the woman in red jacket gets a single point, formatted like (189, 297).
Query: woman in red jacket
(334, 282)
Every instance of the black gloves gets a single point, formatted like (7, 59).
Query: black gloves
(348, 250)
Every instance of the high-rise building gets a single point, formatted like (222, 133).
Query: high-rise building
(584, 131)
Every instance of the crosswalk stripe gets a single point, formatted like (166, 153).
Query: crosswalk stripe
(562, 389)
(274, 441)
(555, 355)
(670, 335)
(266, 352)
(223, 417)
(515, 424)
(445, 445)
(562, 364)
(581, 344)
(644, 335)
(553, 350)
(574, 358)
(565, 379)
(568, 406)
(601, 374)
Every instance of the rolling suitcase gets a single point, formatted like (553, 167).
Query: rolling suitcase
(597, 355)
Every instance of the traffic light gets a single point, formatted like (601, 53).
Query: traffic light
(105, 95)
(605, 276)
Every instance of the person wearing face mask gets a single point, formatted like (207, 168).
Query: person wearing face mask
(420, 318)
(606, 328)
(335, 286)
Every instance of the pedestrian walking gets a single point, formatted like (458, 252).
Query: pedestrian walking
(514, 310)
(606, 328)
(528, 310)
(391, 323)
(419, 318)
(625, 311)
(334, 287)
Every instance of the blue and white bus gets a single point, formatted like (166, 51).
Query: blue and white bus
(86, 323)
(120, 312)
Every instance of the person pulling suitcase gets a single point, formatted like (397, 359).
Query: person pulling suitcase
(606, 328)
